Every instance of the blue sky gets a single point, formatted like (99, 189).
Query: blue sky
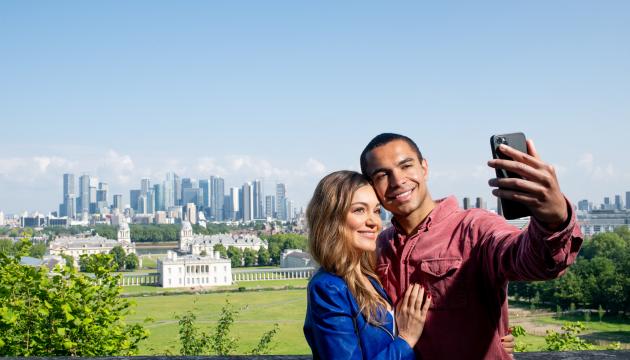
(289, 91)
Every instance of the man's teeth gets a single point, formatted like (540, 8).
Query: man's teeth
(403, 194)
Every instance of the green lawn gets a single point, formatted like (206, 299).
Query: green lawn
(258, 312)
(265, 284)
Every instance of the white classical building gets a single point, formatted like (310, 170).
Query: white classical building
(196, 244)
(296, 258)
(76, 246)
(194, 270)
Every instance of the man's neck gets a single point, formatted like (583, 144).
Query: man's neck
(410, 222)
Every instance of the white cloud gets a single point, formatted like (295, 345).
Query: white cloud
(594, 170)
(315, 166)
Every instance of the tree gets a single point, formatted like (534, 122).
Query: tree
(66, 314)
(131, 262)
(221, 249)
(119, 257)
(263, 256)
(38, 250)
(249, 257)
(236, 256)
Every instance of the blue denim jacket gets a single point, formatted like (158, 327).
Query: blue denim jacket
(335, 328)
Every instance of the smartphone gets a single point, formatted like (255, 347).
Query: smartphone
(509, 208)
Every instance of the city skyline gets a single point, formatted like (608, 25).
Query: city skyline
(287, 92)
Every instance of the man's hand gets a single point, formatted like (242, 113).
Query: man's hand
(538, 189)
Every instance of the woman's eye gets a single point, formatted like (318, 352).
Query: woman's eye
(358, 210)
(377, 211)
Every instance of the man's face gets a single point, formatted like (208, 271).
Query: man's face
(398, 177)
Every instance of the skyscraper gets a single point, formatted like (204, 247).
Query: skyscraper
(134, 196)
(270, 206)
(67, 207)
(68, 185)
(145, 184)
(235, 202)
(247, 202)
(618, 202)
(217, 195)
(170, 190)
(627, 199)
(480, 204)
(117, 202)
(281, 202)
(204, 185)
(158, 191)
(84, 193)
(466, 203)
(258, 200)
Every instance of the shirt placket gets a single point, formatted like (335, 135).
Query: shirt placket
(409, 245)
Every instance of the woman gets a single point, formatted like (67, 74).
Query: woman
(349, 316)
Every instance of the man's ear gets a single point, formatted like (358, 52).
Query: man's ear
(425, 167)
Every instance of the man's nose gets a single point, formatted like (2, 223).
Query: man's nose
(396, 179)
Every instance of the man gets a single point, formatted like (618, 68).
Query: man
(465, 258)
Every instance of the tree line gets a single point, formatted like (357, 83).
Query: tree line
(600, 277)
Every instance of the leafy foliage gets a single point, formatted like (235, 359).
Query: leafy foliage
(66, 314)
(567, 340)
(195, 342)
(598, 279)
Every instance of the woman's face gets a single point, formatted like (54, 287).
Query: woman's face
(364, 219)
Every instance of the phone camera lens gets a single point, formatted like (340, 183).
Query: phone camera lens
(501, 140)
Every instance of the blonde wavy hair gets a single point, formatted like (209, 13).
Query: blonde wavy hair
(329, 241)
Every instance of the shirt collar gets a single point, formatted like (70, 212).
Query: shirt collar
(443, 208)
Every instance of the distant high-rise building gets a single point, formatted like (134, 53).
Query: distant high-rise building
(145, 185)
(281, 202)
(150, 195)
(117, 202)
(84, 193)
(177, 183)
(192, 195)
(170, 198)
(290, 210)
(627, 199)
(217, 197)
(480, 203)
(583, 205)
(235, 202)
(141, 206)
(258, 200)
(618, 205)
(158, 191)
(466, 203)
(65, 208)
(190, 213)
(607, 204)
(134, 195)
(204, 185)
(270, 206)
(187, 183)
(247, 202)
(1, 218)
(68, 185)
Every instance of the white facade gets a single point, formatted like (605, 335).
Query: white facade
(76, 246)
(196, 244)
(296, 258)
(194, 270)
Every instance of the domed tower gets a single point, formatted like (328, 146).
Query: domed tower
(124, 235)
(185, 237)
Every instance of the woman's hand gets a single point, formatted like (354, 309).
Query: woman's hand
(411, 314)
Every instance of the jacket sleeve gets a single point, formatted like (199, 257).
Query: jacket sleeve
(534, 253)
(333, 329)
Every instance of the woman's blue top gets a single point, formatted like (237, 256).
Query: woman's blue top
(335, 328)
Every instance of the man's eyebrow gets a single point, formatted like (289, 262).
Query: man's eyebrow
(401, 162)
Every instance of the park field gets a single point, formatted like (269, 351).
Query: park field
(258, 312)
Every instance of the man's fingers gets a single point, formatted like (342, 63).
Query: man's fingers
(523, 198)
(520, 156)
(524, 170)
(521, 185)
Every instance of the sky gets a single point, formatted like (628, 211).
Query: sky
(288, 91)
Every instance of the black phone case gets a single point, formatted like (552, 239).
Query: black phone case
(510, 209)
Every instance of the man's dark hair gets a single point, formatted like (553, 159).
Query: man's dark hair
(380, 140)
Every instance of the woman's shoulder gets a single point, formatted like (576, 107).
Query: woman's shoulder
(325, 279)
(327, 291)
